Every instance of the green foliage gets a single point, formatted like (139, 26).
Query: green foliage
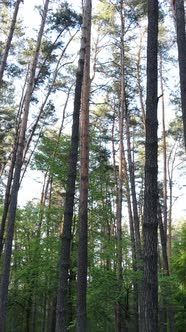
(63, 18)
(102, 286)
(176, 129)
(178, 264)
(53, 156)
(34, 273)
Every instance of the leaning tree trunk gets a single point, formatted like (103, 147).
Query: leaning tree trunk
(83, 199)
(9, 40)
(150, 286)
(16, 180)
(64, 266)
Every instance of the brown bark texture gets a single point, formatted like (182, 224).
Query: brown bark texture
(83, 199)
(181, 42)
(150, 285)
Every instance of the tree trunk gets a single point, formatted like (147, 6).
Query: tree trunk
(84, 167)
(17, 173)
(150, 286)
(181, 41)
(133, 245)
(8, 42)
(7, 199)
(9, 180)
(164, 150)
(163, 223)
(137, 265)
(139, 85)
(169, 226)
(120, 319)
(64, 265)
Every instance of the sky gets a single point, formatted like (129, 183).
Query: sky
(32, 183)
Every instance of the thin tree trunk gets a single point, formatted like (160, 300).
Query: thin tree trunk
(9, 40)
(169, 312)
(42, 108)
(140, 89)
(120, 319)
(133, 192)
(163, 223)
(64, 264)
(36, 143)
(137, 265)
(164, 149)
(11, 171)
(163, 241)
(181, 42)
(133, 244)
(7, 199)
(84, 167)
(169, 220)
(150, 285)
(17, 173)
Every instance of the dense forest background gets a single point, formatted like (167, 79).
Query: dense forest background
(92, 107)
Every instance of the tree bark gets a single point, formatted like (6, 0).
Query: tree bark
(181, 42)
(7, 198)
(150, 286)
(84, 167)
(64, 264)
(17, 173)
